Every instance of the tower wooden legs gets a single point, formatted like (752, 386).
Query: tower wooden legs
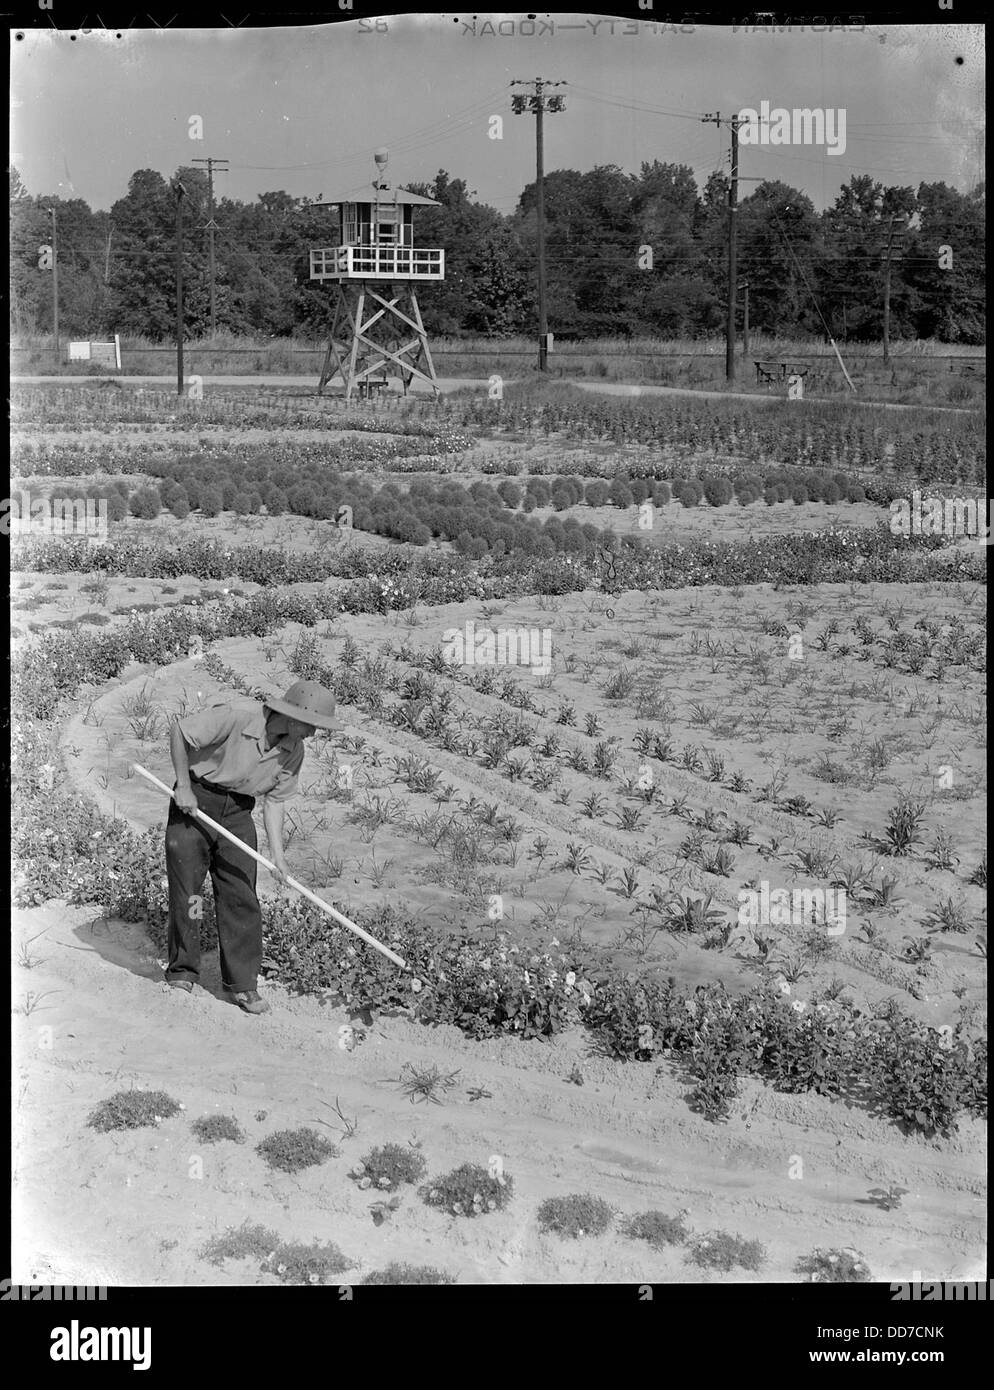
(373, 336)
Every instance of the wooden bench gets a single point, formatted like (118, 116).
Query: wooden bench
(371, 385)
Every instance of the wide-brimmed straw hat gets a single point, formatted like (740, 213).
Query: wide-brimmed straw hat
(308, 702)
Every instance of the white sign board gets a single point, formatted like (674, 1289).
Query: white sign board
(106, 354)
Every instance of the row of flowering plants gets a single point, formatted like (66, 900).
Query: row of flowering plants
(484, 986)
(829, 555)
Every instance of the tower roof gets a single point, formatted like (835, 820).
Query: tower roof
(384, 194)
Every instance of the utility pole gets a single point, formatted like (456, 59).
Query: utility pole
(733, 198)
(211, 227)
(180, 192)
(55, 286)
(897, 218)
(539, 103)
(744, 286)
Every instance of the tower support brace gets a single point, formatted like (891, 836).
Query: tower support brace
(377, 330)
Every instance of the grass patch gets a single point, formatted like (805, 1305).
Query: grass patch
(209, 1129)
(292, 1150)
(657, 1228)
(132, 1110)
(408, 1274)
(720, 1250)
(295, 1263)
(579, 1214)
(238, 1242)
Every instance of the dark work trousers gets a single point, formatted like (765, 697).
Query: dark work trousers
(192, 849)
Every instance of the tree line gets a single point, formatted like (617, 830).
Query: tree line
(628, 255)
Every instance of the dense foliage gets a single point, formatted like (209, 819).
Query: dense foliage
(116, 268)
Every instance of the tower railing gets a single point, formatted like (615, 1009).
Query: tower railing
(377, 263)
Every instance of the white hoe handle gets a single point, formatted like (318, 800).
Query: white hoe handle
(311, 897)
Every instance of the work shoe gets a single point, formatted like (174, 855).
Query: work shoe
(185, 985)
(250, 1001)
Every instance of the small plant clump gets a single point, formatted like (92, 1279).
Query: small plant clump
(389, 1166)
(408, 1274)
(468, 1191)
(238, 1242)
(834, 1267)
(295, 1263)
(579, 1214)
(133, 1110)
(292, 1150)
(657, 1228)
(209, 1129)
(720, 1250)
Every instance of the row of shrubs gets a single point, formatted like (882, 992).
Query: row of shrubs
(717, 489)
(475, 518)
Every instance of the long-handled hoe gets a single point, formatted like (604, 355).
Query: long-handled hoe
(292, 882)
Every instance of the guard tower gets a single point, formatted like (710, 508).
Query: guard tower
(377, 329)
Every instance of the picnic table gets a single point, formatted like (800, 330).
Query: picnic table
(773, 373)
(370, 385)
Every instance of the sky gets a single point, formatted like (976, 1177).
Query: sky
(303, 109)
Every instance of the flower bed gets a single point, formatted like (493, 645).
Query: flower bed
(488, 987)
(59, 663)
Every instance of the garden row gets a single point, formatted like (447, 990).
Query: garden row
(718, 489)
(58, 664)
(926, 444)
(65, 847)
(303, 477)
(491, 737)
(76, 408)
(478, 519)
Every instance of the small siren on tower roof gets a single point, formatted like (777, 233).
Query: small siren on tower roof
(377, 329)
